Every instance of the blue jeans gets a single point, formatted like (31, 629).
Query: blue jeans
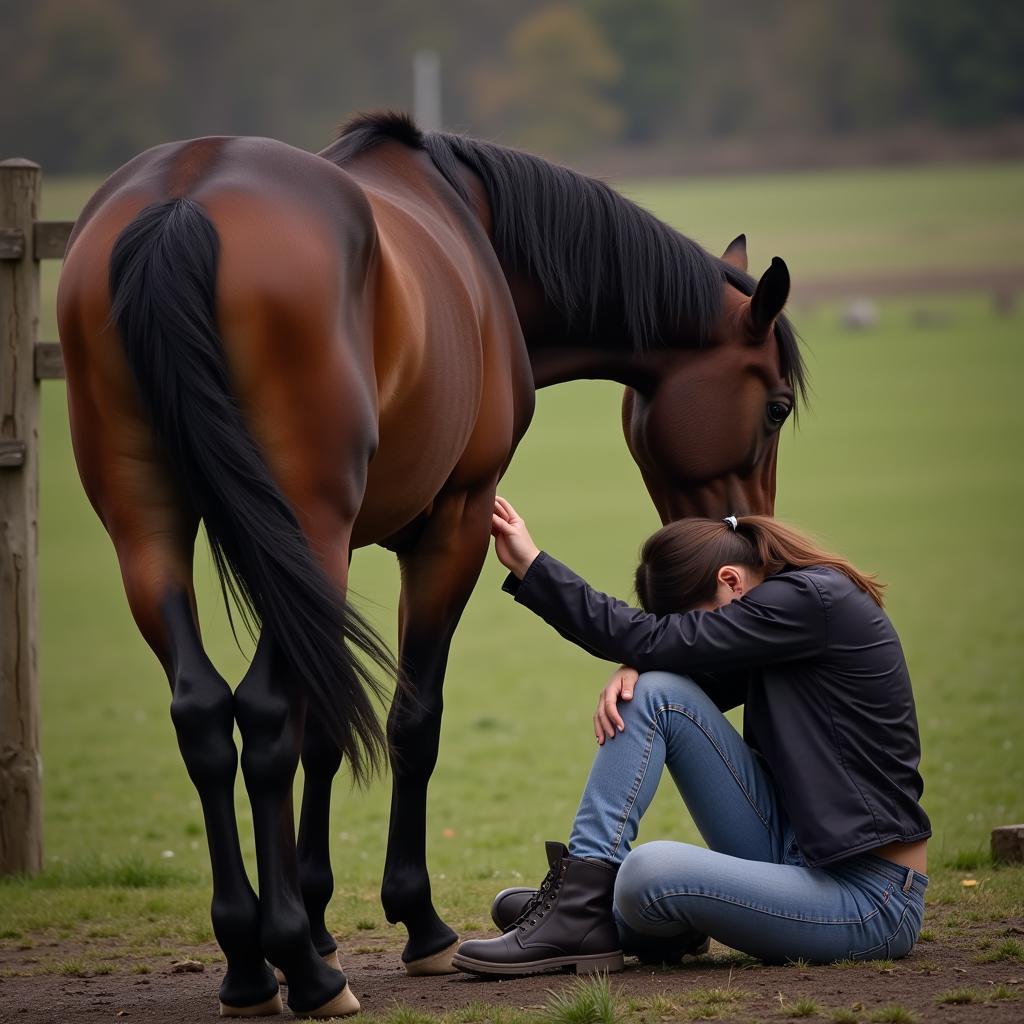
(751, 889)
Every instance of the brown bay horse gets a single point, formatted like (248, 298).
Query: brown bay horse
(313, 353)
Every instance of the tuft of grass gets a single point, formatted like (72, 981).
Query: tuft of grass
(365, 925)
(586, 1001)
(406, 1015)
(73, 968)
(704, 1011)
(805, 1006)
(1003, 992)
(1008, 949)
(960, 996)
(882, 966)
(842, 1015)
(141, 969)
(894, 1013)
(658, 1004)
(799, 963)
(927, 935)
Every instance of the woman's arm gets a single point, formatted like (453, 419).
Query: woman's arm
(782, 619)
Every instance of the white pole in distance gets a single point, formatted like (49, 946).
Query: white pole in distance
(426, 76)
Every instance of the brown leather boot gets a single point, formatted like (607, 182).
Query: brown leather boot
(568, 923)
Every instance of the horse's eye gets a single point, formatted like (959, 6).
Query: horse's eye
(777, 412)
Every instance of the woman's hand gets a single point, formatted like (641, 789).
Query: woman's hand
(607, 718)
(512, 541)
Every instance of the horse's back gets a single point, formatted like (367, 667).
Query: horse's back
(295, 239)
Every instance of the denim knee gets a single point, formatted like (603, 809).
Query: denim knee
(657, 689)
(634, 884)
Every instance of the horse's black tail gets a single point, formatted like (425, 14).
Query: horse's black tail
(163, 273)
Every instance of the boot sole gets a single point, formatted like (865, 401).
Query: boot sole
(583, 964)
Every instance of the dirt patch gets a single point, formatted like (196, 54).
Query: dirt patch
(33, 989)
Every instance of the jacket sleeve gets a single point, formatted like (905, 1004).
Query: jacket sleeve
(782, 619)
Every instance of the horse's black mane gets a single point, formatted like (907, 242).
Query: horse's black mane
(586, 245)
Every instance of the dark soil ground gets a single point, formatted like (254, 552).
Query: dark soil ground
(32, 989)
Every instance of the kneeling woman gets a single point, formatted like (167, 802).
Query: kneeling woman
(816, 839)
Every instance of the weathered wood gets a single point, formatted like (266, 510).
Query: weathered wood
(12, 244)
(21, 833)
(50, 238)
(12, 454)
(1008, 843)
(49, 361)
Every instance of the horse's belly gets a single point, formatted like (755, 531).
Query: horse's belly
(424, 432)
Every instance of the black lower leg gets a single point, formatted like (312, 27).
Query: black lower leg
(202, 712)
(438, 573)
(414, 727)
(270, 709)
(321, 759)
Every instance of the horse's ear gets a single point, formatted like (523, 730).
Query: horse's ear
(770, 296)
(736, 252)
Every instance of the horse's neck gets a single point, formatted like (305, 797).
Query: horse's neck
(556, 365)
(559, 353)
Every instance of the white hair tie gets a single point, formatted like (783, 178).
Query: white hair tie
(732, 521)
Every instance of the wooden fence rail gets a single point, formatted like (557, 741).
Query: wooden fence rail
(24, 241)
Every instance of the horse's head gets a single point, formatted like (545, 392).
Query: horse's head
(705, 433)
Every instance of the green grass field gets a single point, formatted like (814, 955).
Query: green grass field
(908, 460)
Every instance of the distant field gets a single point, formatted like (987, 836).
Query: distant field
(858, 222)
(908, 460)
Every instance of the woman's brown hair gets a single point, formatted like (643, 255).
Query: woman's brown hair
(679, 564)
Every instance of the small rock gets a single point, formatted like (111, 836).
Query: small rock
(187, 966)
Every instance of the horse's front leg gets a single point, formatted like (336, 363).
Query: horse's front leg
(438, 574)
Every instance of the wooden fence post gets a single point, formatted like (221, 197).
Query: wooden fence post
(21, 820)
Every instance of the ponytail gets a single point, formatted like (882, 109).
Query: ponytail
(679, 564)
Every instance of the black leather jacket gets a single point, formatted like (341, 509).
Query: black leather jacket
(819, 670)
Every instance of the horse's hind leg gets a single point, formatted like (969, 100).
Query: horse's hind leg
(158, 586)
(321, 759)
(271, 711)
(202, 710)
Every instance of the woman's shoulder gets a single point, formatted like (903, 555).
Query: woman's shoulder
(823, 582)
(800, 584)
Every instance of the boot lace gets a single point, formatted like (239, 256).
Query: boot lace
(542, 902)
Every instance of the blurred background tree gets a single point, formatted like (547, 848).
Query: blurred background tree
(87, 83)
(549, 88)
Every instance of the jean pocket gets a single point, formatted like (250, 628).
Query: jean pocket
(903, 941)
(886, 925)
(897, 945)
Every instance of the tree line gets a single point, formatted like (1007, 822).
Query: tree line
(88, 83)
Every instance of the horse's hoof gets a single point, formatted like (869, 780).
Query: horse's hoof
(344, 1004)
(331, 959)
(264, 1009)
(437, 963)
